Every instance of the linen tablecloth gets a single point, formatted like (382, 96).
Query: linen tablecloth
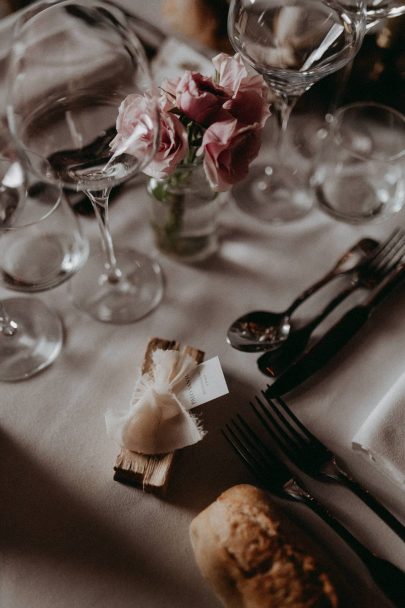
(70, 536)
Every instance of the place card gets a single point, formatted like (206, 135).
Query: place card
(206, 383)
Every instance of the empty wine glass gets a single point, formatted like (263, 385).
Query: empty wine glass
(360, 173)
(72, 64)
(376, 12)
(41, 246)
(312, 132)
(293, 44)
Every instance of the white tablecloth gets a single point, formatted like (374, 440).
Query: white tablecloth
(70, 536)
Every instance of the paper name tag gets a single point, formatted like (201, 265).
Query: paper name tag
(207, 382)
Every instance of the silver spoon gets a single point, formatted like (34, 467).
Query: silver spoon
(262, 330)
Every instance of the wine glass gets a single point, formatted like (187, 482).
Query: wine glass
(41, 246)
(293, 44)
(311, 133)
(72, 64)
(360, 173)
(376, 12)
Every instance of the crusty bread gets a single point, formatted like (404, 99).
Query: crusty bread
(255, 557)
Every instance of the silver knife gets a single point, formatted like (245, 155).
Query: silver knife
(335, 338)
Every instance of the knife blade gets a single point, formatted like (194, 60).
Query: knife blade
(335, 338)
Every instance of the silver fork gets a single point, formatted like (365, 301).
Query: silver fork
(277, 478)
(311, 456)
(381, 262)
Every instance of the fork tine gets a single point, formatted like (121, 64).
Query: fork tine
(246, 444)
(275, 405)
(392, 256)
(277, 433)
(239, 448)
(384, 245)
(390, 253)
(314, 440)
(244, 456)
(252, 438)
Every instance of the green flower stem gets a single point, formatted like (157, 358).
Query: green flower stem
(168, 192)
(174, 194)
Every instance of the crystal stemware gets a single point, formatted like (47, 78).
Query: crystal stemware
(293, 44)
(311, 133)
(376, 12)
(41, 246)
(359, 175)
(71, 66)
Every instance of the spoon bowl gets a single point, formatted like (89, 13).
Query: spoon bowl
(262, 330)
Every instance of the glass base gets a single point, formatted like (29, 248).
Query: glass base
(129, 299)
(35, 344)
(274, 195)
(309, 135)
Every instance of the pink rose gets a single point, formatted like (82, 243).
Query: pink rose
(200, 99)
(136, 128)
(248, 94)
(234, 77)
(168, 99)
(248, 107)
(173, 147)
(228, 149)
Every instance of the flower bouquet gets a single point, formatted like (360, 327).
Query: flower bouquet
(211, 131)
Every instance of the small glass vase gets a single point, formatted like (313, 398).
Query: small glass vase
(184, 212)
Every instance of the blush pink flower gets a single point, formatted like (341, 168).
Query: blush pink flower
(228, 148)
(248, 94)
(248, 108)
(234, 77)
(220, 119)
(136, 129)
(168, 98)
(173, 147)
(198, 98)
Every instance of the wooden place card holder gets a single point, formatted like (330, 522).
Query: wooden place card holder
(150, 472)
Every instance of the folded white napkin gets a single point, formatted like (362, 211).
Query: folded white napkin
(382, 436)
(156, 421)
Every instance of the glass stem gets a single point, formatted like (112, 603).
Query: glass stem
(99, 201)
(282, 108)
(8, 327)
(337, 101)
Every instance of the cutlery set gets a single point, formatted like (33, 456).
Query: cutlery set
(311, 456)
(378, 268)
(336, 338)
(262, 330)
(281, 480)
(289, 356)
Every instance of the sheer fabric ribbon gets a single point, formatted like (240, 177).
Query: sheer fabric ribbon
(157, 421)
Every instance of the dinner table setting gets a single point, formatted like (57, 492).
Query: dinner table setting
(202, 329)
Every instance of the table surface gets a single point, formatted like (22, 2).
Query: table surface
(70, 536)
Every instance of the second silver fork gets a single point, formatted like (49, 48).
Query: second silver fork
(311, 456)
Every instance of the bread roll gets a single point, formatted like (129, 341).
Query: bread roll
(255, 557)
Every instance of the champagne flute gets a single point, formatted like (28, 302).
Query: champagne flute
(293, 44)
(72, 64)
(41, 246)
